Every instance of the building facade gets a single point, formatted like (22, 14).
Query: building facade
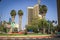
(30, 14)
(58, 10)
(36, 10)
(33, 13)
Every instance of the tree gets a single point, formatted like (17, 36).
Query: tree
(54, 26)
(32, 28)
(40, 25)
(35, 29)
(43, 10)
(37, 23)
(15, 29)
(20, 13)
(43, 25)
(3, 29)
(13, 14)
(29, 28)
(51, 27)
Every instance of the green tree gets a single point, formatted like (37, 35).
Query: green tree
(37, 23)
(29, 27)
(15, 30)
(13, 14)
(51, 27)
(20, 13)
(43, 11)
(3, 28)
(43, 25)
(33, 28)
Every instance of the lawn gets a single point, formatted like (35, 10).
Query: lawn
(25, 35)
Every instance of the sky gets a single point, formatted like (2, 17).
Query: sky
(7, 5)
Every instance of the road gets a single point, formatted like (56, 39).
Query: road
(28, 38)
(24, 37)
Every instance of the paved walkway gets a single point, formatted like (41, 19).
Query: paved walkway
(23, 37)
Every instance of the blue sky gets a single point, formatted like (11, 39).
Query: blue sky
(7, 5)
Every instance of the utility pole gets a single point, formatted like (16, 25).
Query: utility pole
(39, 2)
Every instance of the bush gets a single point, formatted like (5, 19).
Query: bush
(15, 30)
(25, 32)
(32, 28)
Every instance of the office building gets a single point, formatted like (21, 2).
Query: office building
(33, 12)
(30, 14)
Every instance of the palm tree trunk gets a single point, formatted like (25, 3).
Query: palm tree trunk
(48, 28)
(20, 23)
(10, 30)
(43, 24)
(43, 30)
(13, 18)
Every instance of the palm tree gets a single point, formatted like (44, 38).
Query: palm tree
(45, 24)
(20, 13)
(13, 14)
(43, 11)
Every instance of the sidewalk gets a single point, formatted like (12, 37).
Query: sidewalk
(33, 36)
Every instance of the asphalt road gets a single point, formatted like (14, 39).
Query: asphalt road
(27, 38)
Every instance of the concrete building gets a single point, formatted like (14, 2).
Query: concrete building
(30, 14)
(36, 10)
(33, 12)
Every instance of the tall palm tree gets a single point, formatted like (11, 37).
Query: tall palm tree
(13, 14)
(43, 11)
(20, 13)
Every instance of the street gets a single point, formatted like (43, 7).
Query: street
(28, 38)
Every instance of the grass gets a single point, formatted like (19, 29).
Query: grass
(35, 34)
